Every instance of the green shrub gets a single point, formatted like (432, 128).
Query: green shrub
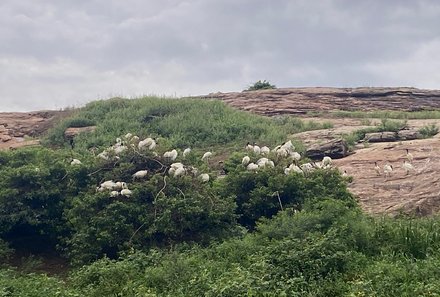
(261, 85)
(429, 130)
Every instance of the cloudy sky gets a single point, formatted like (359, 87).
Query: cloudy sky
(60, 53)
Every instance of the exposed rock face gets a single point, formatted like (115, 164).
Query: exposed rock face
(70, 133)
(304, 100)
(381, 137)
(14, 126)
(335, 149)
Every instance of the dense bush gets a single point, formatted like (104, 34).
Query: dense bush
(261, 85)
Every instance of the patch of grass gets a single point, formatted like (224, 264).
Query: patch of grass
(179, 123)
(429, 130)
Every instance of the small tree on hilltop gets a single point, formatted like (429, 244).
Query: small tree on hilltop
(261, 85)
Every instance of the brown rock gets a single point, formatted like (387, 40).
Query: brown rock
(304, 100)
(5, 137)
(335, 149)
(408, 135)
(381, 137)
(70, 133)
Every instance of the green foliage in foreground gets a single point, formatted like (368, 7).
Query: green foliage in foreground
(329, 248)
(176, 122)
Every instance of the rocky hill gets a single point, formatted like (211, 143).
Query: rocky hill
(23, 128)
(304, 100)
(417, 192)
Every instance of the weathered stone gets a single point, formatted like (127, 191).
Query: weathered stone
(335, 149)
(70, 133)
(408, 135)
(5, 137)
(381, 137)
(303, 100)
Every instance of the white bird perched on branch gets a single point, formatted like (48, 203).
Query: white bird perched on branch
(288, 146)
(108, 185)
(407, 166)
(204, 177)
(295, 156)
(179, 171)
(120, 185)
(249, 147)
(245, 160)
(265, 150)
(170, 155)
(206, 156)
(104, 155)
(114, 194)
(140, 174)
(186, 151)
(148, 142)
(295, 169)
(282, 152)
(256, 149)
(326, 161)
(128, 136)
(307, 168)
(75, 162)
(252, 167)
(126, 193)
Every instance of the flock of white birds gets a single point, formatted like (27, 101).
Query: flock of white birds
(285, 150)
(388, 169)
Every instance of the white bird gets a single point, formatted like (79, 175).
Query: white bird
(179, 171)
(249, 147)
(170, 155)
(114, 194)
(118, 140)
(387, 170)
(344, 174)
(295, 156)
(120, 185)
(287, 170)
(256, 149)
(407, 166)
(186, 151)
(128, 136)
(119, 149)
(206, 156)
(176, 165)
(147, 142)
(282, 152)
(126, 193)
(307, 168)
(252, 167)
(108, 185)
(245, 160)
(262, 162)
(104, 155)
(295, 169)
(75, 162)
(326, 161)
(153, 145)
(288, 146)
(204, 177)
(140, 174)
(265, 150)
(377, 169)
(409, 156)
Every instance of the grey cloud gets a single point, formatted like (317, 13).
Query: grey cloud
(57, 53)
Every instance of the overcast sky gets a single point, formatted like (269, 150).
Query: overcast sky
(60, 53)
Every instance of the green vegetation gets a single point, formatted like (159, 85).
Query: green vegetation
(261, 85)
(249, 233)
(385, 125)
(429, 130)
